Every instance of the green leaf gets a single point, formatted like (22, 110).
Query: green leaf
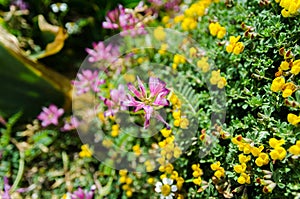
(27, 85)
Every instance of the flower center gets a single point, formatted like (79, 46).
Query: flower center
(165, 190)
(147, 101)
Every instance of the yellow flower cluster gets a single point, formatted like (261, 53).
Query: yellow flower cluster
(278, 152)
(216, 79)
(290, 7)
(241, 168)
(168, 150)
(203, 64)
(216, 29)
(279, 84)
(247, 148)
(197, 173)
(178, 59)
(159, 33)
(244, 178)
(234, 46)
(293, 119)
(163, 49)
(115, 129)
(179, 119)
(295, 149)
(127, 182)
(219, 171)
(137, 150)
(85, 151)
(169, 172)
(190, 17)
(263, 159)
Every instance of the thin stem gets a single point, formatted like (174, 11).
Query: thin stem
(20, 171)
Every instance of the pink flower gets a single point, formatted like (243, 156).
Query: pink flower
(148, 102)
(115, 103)
(81, 194)
(70, 124)
(87, 80)
(7, 187)
(121, 18)
(100, 52)
(50, 115)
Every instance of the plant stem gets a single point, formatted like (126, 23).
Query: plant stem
(20, 171)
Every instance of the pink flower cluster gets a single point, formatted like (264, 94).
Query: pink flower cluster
(125, 21)
(115, 103)
(87, 81)
(100, 52)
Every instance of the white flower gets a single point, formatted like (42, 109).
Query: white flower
(166, 188)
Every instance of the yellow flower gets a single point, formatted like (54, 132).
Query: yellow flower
(285, 65)
(296, 67)
(295, 150)
(176, 114)
(293, 119)
(115, 130)
(193, 52)
(222, 83)
(243, 158)
(233, 39)
(85, 151)
(244, 178)
(256, 151)
(277, 84)
(288, 89)
(278, 153)
(214, 28)
(123, 172)
(178, 18)
(197, 171)
(238, 48)
(197, 181)
(215, 77)
(137, 150)
(247, 148)
(203, 64)
(189, 23)
(178, 59)
(285, 13)
(165, 132)
(221, 33)
(159, 33)
(263, 159)
(179, 183)
(184, 123)
(273, 142)
(240, 168)
(219, 173)
(229, 48)
(235, 46)
(215, 166)
(176, 122)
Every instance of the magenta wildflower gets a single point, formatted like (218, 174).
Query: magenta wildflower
(50, 115)
(20, 4)
(120, 18)
(7, 187)
(81, 194)
(148, 102)
(70, 124)
(100, 52)
(115, 103)
(87, 81)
